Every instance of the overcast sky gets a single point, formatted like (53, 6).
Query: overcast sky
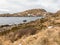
(21, 5)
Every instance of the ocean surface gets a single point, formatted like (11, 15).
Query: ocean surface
(16, 20)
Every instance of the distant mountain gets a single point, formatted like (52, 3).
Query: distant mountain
(29, 13)
(32, 12)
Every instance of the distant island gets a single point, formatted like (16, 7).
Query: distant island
(29, 13)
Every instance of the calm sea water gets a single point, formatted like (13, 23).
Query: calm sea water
(16, 20)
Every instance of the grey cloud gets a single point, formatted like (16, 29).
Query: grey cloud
(20, 5)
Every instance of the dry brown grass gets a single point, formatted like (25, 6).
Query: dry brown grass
(32, 33)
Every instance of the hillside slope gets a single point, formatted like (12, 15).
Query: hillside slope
(44, 31)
